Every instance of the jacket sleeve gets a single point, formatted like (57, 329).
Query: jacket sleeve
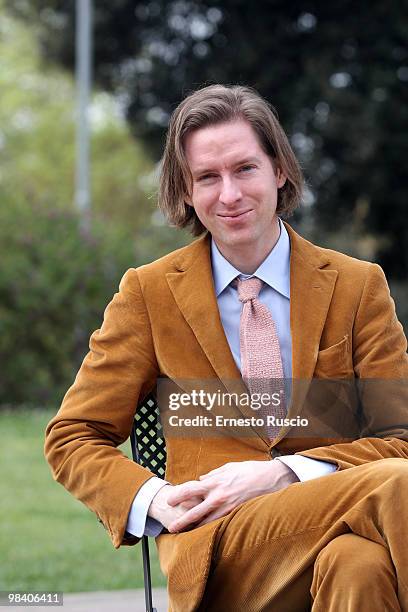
(381, 369)
(97, 413)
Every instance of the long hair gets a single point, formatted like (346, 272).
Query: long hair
(219, 104)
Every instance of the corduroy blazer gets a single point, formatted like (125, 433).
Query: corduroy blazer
(164, 322)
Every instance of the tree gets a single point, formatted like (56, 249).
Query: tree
(54, 280)
(336, 71)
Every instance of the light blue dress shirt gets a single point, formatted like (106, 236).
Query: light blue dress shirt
(275, 294)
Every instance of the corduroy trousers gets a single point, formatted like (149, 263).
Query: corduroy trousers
(338, 543)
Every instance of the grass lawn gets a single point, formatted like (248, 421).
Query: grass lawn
(49, 540)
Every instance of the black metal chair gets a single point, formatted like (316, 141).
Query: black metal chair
(149, 450)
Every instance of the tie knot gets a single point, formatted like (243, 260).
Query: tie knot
(248, 289)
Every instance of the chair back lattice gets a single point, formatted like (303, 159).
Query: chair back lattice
(147, 440)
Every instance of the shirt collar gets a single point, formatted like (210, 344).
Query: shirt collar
(274, 270)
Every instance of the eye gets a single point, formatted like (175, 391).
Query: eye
(246, 168)
(205, 177)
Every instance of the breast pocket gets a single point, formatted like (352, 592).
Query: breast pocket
(335, 361)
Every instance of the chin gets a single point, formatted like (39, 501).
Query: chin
(234, 236)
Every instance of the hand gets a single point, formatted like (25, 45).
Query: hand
(160, 510)
(224, 488)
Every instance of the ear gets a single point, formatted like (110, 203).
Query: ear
(280, 178)
(188, 198)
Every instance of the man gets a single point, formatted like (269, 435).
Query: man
(321, 526)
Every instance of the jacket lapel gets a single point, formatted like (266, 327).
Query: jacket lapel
(311, 291)
(193, 289)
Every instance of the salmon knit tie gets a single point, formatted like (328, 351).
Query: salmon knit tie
(261, 362)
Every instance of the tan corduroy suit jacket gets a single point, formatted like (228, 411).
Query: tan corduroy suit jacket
(164, 322)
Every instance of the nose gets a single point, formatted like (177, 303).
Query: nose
(230, 191)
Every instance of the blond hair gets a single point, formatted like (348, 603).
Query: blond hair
(219, 104)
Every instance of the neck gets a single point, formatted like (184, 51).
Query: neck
(247, 259)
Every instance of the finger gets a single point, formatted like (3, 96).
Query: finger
(194, 501)
(185, 493)
(190, 518)
(212, 516)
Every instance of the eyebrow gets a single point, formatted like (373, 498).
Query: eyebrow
(242, 162)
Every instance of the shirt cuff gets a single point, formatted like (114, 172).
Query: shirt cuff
(139, 523)
(306, 468)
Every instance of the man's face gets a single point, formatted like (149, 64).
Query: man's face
(235, 188)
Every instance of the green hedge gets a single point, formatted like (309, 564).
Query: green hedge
(55, 282)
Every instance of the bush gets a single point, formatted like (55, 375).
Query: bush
(55, 282)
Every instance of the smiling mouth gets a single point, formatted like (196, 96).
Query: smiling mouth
(236, 215)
